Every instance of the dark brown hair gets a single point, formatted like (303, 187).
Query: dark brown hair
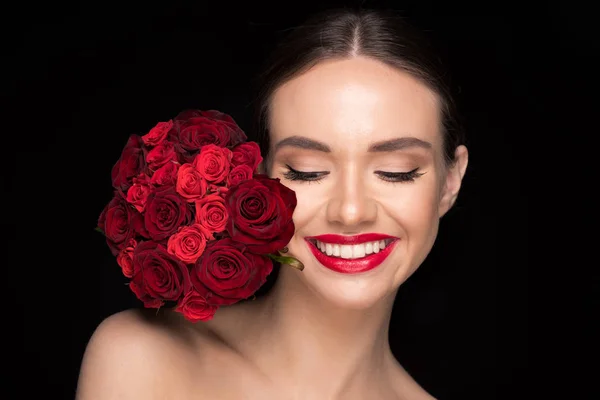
(345, 33)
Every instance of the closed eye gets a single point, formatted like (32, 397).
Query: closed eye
(295, 175)
(394, 177)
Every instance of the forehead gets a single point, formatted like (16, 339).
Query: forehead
(345, 102)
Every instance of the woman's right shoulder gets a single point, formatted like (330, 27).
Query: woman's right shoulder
(128, 350)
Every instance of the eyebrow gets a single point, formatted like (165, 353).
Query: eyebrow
(390, 145)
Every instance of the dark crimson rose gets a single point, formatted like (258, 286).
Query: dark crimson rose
(165, 212)
(239, 174)
(195, 306)
(229, 271)
(213, 163)
(260, 214)
(158, 133)
(158, 275)
(130, 164)
(194, 129)
(120, 222)
(247, 153)
(165, 175)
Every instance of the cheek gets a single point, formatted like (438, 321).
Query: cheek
(413, 206)
(312, 203)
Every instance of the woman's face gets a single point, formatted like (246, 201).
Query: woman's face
(359, 142)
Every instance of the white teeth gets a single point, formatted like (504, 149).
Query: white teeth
(351, 251)
(358, 250)
(346, 251)
(328, 249)
(336, 250)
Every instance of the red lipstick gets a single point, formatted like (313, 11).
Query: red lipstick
(356, 265)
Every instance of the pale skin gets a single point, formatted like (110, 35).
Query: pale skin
(318, 334)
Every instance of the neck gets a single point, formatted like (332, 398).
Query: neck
(317, 347)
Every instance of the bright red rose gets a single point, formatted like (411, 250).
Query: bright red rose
(160, 155)
(260, 214)
(165, 212)
(158, 275)
(216, 189)
(189, 242)
(131, 163)
(165, 175)
(125, 258)
(247, 153)
(191, 185)
(138, 192)
(158, 133)
(211, 212)
(120, 222)
(213, 163)
(195, 129)
(195, 307)
(229, 271)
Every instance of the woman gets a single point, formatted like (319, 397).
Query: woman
(357, 122)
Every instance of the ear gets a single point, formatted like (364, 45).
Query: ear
(453, 180)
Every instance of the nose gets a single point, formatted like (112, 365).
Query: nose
(352, 204)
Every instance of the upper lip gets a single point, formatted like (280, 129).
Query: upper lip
(348, 240)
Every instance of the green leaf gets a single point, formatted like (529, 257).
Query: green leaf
(97, 229)
(291, 261)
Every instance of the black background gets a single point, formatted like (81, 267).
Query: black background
(79, 79)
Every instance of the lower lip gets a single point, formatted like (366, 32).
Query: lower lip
(352, 266)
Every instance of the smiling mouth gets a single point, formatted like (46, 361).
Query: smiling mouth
(352, 251)
(351, 257)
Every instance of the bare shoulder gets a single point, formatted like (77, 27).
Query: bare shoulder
(135, 354)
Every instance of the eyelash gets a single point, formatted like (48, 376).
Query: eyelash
(391, 177)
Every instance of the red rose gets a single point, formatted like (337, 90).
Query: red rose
(160, 155)
(120, 222)
(189, 242)
(195, 129)
(240, 173)
(229, 271)
(165, 175)
(130, 164)
(213, 163)
(157, 275)
(125, 258)
(260, 214)
(165, 212)
(190, 184)
(138, 192)
(195, 307)
(158, 133)
(211, 212)
(216, 189)
(246, 154)
(140, 293)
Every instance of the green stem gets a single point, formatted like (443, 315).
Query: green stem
(291, 261)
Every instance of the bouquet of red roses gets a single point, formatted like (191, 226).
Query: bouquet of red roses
(191, 222)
